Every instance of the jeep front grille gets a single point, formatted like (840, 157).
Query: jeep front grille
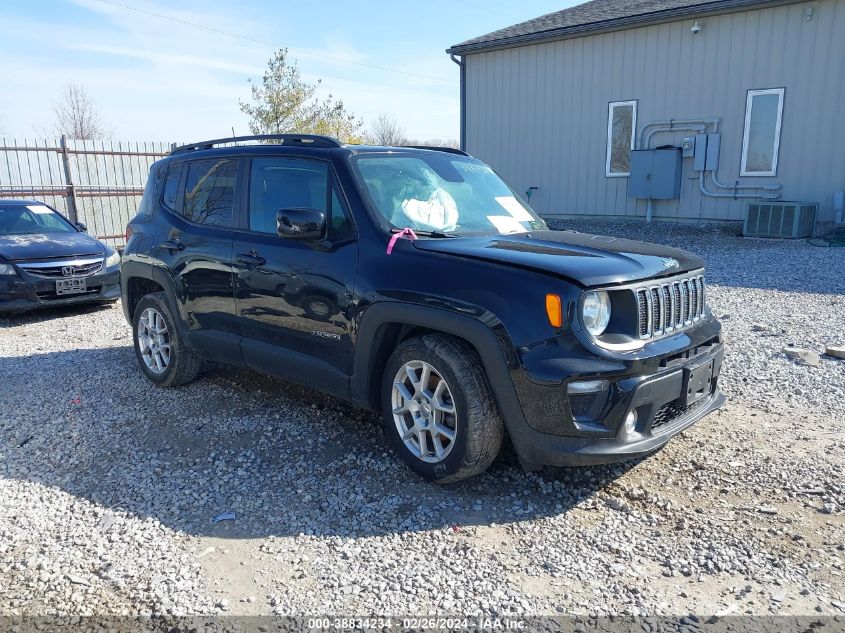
(669, 306)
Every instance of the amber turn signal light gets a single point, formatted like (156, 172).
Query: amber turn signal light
(554, 310)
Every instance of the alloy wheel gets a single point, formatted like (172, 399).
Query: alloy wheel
(154, 341)
(424, 411)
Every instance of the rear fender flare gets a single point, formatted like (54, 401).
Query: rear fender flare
(162, 278)
(139, 270)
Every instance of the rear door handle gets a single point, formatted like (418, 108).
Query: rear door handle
(172, 245)
(250, 259)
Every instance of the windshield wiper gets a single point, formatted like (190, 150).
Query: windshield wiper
(435, 234)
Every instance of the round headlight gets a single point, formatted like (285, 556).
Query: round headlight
(596, 311)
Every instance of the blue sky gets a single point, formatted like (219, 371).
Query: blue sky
(160, 79)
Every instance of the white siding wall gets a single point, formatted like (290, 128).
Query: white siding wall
(538, 113)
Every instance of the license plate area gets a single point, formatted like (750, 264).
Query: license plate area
(71, 286)
(698, 383)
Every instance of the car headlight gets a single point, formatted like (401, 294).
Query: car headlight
(595, 312)
(113, 259)
(7, 269)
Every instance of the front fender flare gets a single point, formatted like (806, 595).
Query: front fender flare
(489, 340)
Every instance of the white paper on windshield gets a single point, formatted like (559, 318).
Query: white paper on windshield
(40, 209)
(512, 206)
(506, 224)
(439, 212)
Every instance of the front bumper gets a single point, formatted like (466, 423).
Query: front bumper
(23, 292)
(563, 430)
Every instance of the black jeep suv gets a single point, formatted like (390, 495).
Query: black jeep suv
(414, 281)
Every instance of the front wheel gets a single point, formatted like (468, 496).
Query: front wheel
(439, 411)
(163, 357)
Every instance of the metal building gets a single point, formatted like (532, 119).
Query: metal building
(746, 98)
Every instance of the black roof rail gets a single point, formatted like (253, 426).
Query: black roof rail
(312, 140)
(435, 148)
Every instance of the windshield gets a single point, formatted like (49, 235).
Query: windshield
(19, 219)
(443, 193)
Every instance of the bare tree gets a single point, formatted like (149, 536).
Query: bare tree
(77, 117)
(385, 130)
(434, 142)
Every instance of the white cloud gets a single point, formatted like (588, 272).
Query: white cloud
(156, 79)
(170, 59)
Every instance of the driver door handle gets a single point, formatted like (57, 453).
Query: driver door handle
(172, 245)
(251, 258)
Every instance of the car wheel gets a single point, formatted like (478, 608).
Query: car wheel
(163, 356)
(318, 307)
(439, 410)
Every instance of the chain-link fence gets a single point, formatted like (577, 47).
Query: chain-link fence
(96, 182)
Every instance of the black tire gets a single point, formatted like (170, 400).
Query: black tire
(479, 429)
(318, 307)
(184, 365)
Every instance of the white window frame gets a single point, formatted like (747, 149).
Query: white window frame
(749, 102)
(610, 106)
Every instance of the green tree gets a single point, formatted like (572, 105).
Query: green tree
(334, 120)
(284, 103)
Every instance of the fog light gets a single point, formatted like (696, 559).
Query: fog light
(631, 423)
(586, 386)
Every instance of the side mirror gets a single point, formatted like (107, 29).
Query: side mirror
(301, 224)
(82, 226)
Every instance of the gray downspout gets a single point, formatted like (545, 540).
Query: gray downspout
(736, 185)
(672, 125)
(463, 118)
(681, 128)
(735, 194)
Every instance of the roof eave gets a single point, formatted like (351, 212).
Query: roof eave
(616, 24)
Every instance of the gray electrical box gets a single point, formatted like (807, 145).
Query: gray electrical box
(700, 160)
(706, 153)
(714, 143)
(655, 174)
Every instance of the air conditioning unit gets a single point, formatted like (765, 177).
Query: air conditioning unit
(780, 219)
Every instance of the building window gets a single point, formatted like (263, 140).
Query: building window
(761, 138)
(621, 125)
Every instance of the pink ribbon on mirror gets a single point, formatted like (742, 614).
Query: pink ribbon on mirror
(396, 236)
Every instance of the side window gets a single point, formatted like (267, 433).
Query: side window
(341, 220)
(210, 192)
(170, 190)
(284, 183)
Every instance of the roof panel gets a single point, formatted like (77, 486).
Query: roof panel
(596, 14)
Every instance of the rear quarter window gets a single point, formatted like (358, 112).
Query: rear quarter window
(170, 189)
(210, 192)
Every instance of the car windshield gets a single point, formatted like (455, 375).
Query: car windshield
(443, 194)
(19, 219)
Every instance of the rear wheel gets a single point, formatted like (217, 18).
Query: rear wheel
(439, 410)
(163, 356)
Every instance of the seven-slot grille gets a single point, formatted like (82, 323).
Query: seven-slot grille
(670, 305)
(58, 269)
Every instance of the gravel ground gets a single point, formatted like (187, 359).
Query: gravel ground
(110, 485)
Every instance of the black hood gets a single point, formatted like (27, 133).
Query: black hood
(590, 260)
(48, 246)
